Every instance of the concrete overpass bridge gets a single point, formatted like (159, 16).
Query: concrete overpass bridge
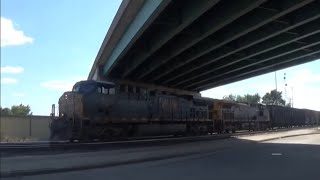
(195, 45)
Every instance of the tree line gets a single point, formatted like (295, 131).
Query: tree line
(270, 98)
(16, 110)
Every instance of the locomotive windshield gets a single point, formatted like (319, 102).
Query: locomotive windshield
(84, 87)
(93, 86)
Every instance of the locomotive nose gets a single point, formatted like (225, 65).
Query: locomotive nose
(69, 103)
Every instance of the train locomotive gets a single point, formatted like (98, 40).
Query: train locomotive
(107, 111)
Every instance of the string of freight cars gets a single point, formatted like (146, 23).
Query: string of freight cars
(110, 111)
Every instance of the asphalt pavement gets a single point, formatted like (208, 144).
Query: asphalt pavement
(292, 158)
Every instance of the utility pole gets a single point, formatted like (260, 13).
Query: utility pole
(275, 79)
(285, 86)
(247, 99)
(292, 95)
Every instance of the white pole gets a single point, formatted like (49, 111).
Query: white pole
(292, 96)
(275, 79)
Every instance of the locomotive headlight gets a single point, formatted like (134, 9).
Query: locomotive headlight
(65, 96)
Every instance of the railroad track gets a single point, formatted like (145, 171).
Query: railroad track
(65, 147)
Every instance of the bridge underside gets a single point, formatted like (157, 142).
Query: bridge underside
(197, 45)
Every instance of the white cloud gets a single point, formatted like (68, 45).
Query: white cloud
(12, 69)
(61, 85)
(5, 80)
(18, 94)
(11, 36)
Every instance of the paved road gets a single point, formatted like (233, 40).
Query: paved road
(289, 158)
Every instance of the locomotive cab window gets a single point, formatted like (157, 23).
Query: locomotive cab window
(130, 89)
(100, 89)
(122, 88)
(76, 88)
(106, 89)
(138, 90)
(152, 93)
(112, 91)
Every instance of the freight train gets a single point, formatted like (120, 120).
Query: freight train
(105, 110)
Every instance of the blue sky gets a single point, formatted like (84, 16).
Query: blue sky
(59, 43)
(46, 46)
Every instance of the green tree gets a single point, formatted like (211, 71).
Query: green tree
(248, 98)
(273, 98)
(21, 110)
(230, 97)
(5, 111)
